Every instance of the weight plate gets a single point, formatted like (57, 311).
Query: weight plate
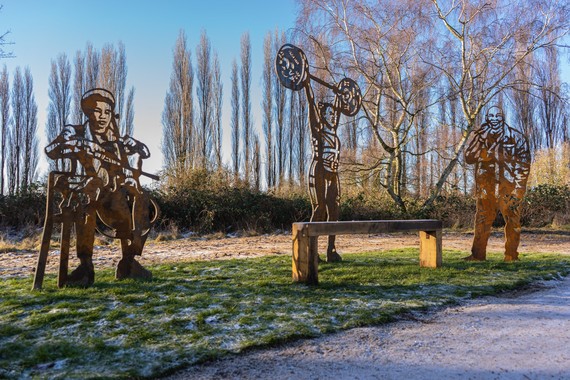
(350, 97)
(292, 67)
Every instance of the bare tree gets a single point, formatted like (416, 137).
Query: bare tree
(129, 117)
(267, 106)
(217, 102)
(112, 75)
(177, 116)
(86, 65)
(246, 105)
(30, 122)
(378, 42)
(301, 116)
(16, 140)
(106, 77)
(120, 74)
(523, 102)
(79, 87)
(235, 120)
(92, 66)
(551, 107)
(205, 94)
(59, 93)
(3, 42)
(400, 50)
(23, 143)
(280, 97)
(4, 123)
(256, 163)
(12, 162)
(294, 130)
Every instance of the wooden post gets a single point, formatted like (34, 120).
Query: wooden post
(430, 249)
(46, 237)
(305, 256)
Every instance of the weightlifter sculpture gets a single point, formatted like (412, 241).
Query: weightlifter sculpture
(324, 186)
(501, 156)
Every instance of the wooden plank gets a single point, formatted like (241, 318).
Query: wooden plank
(430, 249)
(368, 226)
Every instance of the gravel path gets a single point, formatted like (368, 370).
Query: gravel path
(519, 337)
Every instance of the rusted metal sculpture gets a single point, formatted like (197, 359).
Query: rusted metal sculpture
(501, 156)
(100, 191)
(324, 187)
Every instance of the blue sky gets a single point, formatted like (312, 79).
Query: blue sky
(43, 29)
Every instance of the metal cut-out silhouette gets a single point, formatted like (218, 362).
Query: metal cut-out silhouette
(292, 70)
(501, 156)
(100, 191)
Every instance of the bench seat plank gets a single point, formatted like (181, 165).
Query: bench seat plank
(368, 226)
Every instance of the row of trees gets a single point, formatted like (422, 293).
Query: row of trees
(274, 156)
(106, 68)
(18, 127)
(429, 69)
(67, 83)
(192, 138)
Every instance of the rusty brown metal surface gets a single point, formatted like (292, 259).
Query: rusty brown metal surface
(501, 156)
(100, 190)
(292, 69)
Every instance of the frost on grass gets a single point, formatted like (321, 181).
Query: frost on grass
(200, 310)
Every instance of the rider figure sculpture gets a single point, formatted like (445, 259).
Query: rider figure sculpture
(107, 179)
(501, 156)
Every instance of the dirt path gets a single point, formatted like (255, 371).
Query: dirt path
(22, 263)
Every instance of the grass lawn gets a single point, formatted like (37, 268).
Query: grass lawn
(194, 311)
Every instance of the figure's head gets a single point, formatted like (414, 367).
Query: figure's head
(98, 104)
(328, 114)
(495, 117)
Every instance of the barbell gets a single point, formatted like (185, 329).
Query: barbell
(292, 69)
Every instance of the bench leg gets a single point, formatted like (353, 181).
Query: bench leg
(305, 261)
(430, 249)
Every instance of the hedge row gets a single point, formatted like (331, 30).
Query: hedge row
(206, 209)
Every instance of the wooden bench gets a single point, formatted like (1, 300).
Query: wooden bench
(305, 241)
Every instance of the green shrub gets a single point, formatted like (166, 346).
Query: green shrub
(454, 210)
(25, 208)
(547, 205)
(206, 202)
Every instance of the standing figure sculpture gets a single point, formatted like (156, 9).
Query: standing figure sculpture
(501, 156)
(101, 191)
(324, 186)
